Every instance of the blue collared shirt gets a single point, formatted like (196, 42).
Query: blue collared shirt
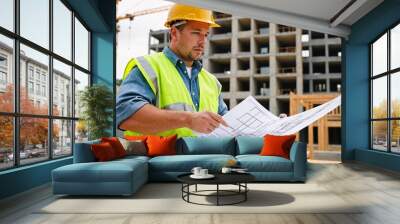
(135, 92)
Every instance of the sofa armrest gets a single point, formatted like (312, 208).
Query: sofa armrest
(298, 155)
(83, 152)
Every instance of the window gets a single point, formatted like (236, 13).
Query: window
(3, 78)
(55, 99)
(41, 83)
(305, 53)
(395, 47)
(62, 74)
(38, 89)
(81, 81)
(37, 75)
(81, 45)
(44, 91)
(305, 38)
(7, 14)
(7, 143)
(3, 72)
(62, 130)
(7, 77)
(62, 29)
(34, 25)
(3, 61)
(30, 72)
(43, 77)
(385, 97)
(30, 87)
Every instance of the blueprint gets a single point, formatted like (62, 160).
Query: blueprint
(250, 118)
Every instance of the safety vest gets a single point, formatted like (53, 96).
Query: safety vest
(170, 90)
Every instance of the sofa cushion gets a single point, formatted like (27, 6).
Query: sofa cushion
(257, 163)
(206, 145)
(112, 171)
(185, 163)
(249, 145)
(129, 159)
(93, 172)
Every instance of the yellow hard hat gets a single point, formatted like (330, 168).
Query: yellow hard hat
(186, 12)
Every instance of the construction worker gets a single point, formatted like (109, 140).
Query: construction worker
(169, 92)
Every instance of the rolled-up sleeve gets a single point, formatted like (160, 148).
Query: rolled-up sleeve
(222, 108)
(133, 94)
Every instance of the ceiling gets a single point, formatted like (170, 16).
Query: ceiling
(328, 16)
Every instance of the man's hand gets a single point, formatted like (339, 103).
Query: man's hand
(205, 122)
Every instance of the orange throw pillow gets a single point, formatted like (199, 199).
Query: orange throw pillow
(116, 145)
(277, 145)
(161, 146)
(103, 152)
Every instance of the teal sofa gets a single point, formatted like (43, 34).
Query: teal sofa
(125, 176)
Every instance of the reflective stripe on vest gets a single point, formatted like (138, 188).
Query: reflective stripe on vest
(146, 66)
(179, 107)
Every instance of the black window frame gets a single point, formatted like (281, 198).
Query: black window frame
(16, 115)
(388, 73)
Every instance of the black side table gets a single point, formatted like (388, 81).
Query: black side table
(238, 179)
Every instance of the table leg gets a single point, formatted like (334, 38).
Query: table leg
(245, 191)
(188, 189)
(182, 190)
(217, 194)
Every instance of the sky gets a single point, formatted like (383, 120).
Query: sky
(34, 26)
(132, 40)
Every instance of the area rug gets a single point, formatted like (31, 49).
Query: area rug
(167, 198)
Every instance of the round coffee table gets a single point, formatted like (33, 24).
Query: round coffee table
(238, 179)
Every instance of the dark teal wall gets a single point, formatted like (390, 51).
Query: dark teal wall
(99, 16)
(379, 159)
(356, 102)
(104, 52)
(24, 178)
(356, 99)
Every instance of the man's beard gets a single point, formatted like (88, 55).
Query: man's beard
(192, 58)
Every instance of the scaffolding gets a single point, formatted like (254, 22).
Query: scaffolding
(318, 132)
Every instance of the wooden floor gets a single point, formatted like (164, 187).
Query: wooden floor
(377, 188)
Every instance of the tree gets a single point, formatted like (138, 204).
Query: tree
(6, 122)
(380, 111)
(380, 128)
(33, 130)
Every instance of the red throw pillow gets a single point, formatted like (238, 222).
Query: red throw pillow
(277, 145)
(116, 145)
(161, 146)
(103, 152)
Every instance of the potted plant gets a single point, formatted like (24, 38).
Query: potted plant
(97, 103)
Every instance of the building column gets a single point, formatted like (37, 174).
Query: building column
(273, 104)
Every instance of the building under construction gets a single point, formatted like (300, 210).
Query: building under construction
(270, 61)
